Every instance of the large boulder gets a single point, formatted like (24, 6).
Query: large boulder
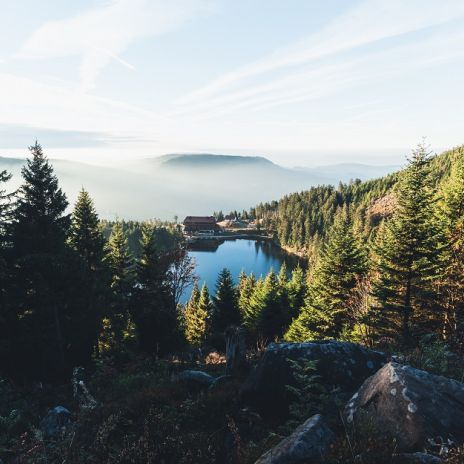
(55, 422)
(339, 364)
(195, 380)
(411, 405)
(416, 458)
(307, 444)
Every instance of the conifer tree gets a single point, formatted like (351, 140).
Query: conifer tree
(250, 304)
(85, 235)
(197, 316)
(47, 276)
(450, 284)
(6, 322)
(189, 316)
(120, 264)
(268, 313)
(407, 250)
(341, 264)
(296, 290)
(226, 311)
(246, 288)
(86, 239)
(152, 306)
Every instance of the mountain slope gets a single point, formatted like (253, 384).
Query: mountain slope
(183, 184)
(301, 220)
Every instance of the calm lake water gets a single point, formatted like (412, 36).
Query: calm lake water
(236, 255)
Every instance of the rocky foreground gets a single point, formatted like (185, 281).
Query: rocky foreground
(360, 394)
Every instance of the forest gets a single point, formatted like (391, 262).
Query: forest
(385, 272)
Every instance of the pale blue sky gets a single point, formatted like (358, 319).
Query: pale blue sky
(304, 82)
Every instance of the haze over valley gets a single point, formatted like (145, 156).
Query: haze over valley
(183, 184)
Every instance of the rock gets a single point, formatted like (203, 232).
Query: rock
(195, 380)
(222, 381)
(307, 444)
(411, 405)
(416, 458)
(339, 364)
(81, 393)
(55, 422)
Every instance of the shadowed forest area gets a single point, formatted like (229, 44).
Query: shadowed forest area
(100, 362)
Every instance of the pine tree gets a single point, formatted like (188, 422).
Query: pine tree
(245, 289)
(268, 313)
(47, 282)
(85, 235)
(450, 284)
(6, 322)
(296, 288)
(152, 306)
(341, 264)
(283, 279)
(86, 239)
(197, 316)
(121, 267)
(226, 311)
(406, 252)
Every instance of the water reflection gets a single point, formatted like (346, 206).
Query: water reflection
(257, 256)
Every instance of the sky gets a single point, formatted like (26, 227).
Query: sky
(302, 82)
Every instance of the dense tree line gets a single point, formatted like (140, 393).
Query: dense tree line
(74, 288)
(390, 274)
(68, 292)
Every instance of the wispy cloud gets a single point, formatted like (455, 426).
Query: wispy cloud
(102, 34)
(368, 22)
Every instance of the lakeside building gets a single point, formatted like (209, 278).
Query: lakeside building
(200, 225)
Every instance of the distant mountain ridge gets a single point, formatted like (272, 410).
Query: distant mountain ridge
(209, 159)
(164, 186)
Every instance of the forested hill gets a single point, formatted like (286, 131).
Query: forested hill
(301, 220)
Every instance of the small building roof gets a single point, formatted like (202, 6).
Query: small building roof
(209, 220)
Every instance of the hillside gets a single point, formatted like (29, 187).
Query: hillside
(300, 220)
(183, 184)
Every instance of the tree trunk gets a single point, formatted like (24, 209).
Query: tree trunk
(236, 363)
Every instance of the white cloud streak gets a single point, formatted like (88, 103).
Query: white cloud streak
(368, 22)
(102, 34)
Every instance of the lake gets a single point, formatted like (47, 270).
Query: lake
(257, 256)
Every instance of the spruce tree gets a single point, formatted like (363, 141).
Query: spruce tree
(86, 239)
(226, 311)
(197, 316)
(341, 264)
(450, 284)
(48, 286)
(85, 235)
(407, 251)
(121, 266)
(296, 288)
(245, 289)
(6, 320)
(269, 312)
(152, 306)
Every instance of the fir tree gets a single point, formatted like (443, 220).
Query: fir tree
(121, 267)
(197, 316)
(407, 249)
(47, 281)
(245, 289)
(86, 239)
(296, 288)
(450, 284)
(269, 313)
(341, 264)
(85, 235)
(226, 311)
(152, 306)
